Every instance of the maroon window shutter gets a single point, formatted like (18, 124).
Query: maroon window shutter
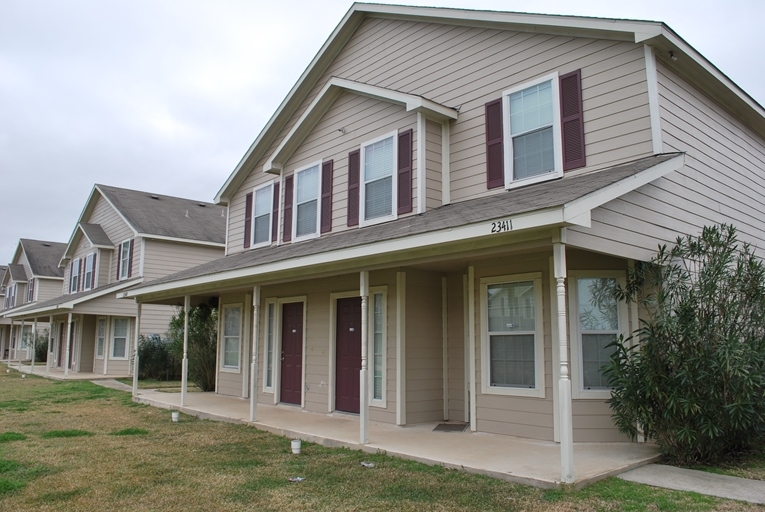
(247, 219)
(495, 161)
(405, 172)
(326, 196)
(275, 215)
(130, 259)
(287, 236)
(572, 120)
(354, 163)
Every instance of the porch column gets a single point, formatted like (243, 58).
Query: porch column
(255, 344)
(68, 342)
(49, 359)
(564, 383)
(400, 348)
(135, 348)
(363, 395)
(185, 362)
(11, 343)
(34, 344)
(19, 342)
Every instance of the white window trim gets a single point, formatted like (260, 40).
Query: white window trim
(106, 332)
(394, 183)
(89, 257)
(74, 286)
(266, 388)
(127, 339)
(221, 324)
(577, 389)
(382, 403)
(270, 216)
(124, 267)
(539, 371)
(315, 234)
(508, 139)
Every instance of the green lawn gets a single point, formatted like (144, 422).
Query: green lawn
(78, 446)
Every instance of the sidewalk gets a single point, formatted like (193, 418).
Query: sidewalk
(679, 479)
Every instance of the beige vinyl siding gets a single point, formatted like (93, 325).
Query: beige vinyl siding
(104, 264)
(164, 257)
(155, 318)
(721, 181)
(87, 344)
(116, 229)
(469, 66)
(47, 289)
(456, 346)
(424, 347)
(433, 165)
(515, 415)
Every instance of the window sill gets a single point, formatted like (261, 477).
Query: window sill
(531, 181)
(230, 369)
(377, 220)
(521, 392)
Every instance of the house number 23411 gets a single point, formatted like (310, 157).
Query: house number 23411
(501, 226)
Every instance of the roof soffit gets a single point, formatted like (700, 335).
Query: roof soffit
(327, 96)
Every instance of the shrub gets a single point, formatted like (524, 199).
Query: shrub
(695, 382)
(38, 340)
(203, 342)
(155, 360)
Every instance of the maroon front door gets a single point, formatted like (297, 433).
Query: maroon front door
(292, 353)
(348, 350)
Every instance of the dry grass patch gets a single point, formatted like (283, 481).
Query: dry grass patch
(204, 465)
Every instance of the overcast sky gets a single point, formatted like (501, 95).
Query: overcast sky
(166, 96)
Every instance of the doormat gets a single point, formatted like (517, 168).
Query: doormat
(450, 427)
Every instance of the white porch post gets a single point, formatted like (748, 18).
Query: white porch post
(363, 394)
(471, 349)
(400, 348)
(255, 345)
(11, 343)
(49, 359)
(564, 383)
(19, 343)
(68, 342)
(185, 362)
(135, 348)
(34, 344)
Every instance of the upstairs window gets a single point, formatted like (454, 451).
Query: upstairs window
(261, 215)
(90, 263)
(125, 260)
(31, 290)
(306, 217)
(535, 131)
(378, 162)
(74, 276)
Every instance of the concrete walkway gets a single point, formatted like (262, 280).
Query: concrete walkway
(679, 479)
(58, 373)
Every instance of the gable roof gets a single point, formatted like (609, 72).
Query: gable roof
(690, 63)
(566, 201)
(153, 216)
(96, 234)
(17, 273)
(43, 257)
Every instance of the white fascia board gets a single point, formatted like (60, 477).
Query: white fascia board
(70, 304)
(520, 222)
(326, 97)
(181, 240)
(600, 197)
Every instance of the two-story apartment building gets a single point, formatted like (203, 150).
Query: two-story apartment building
(122, 238)
(418, 232)
(32, 277)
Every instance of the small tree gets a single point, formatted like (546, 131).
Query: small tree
(203, 342)
(695, 381)
(39, 343)
(155, 359)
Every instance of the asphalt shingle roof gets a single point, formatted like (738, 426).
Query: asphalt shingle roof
(43, 257)
(18, 274)
(96, 234)
(521, 200)
(175, 217)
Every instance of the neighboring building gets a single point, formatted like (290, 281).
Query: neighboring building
(461, 183)
(32, 277)
(122, 238)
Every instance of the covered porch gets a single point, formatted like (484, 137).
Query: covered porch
(526, 461)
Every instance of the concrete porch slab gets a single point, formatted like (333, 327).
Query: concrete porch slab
(58, 373)
(525, 461)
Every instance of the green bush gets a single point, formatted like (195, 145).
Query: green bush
(203, 343)
(155, 360)
(695, 380)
